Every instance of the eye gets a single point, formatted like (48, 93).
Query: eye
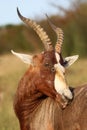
(53, 69)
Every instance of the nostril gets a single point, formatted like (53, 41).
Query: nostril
(53, 69)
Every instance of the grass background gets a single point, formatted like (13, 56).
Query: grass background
(18, 38)
(11, 70)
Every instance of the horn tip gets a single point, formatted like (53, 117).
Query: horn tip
(18, 12)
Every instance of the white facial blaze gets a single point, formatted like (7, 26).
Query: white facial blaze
(57, 57)
(60, 82)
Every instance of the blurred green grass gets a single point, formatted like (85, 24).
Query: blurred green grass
(11, 70)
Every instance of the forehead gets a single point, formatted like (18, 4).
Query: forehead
(50, 56)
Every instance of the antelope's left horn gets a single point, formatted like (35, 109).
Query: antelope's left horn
(39, 30)
(60, 36)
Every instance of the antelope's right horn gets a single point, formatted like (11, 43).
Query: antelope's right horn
(60, 36)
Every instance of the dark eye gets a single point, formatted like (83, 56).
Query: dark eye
(46, 64)
(53, 69)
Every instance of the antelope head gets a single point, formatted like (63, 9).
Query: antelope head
(60, 83)
(53, 59)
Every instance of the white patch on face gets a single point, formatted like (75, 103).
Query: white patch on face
(58, 65)
(60, 68)
(61, 87)
(57, 57)
(60, 83)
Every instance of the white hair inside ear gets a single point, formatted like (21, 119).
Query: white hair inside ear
(70, 60)
(27, 59)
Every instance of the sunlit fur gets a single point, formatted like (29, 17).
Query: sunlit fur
(60, 83)
(38, 88)
(36, 85)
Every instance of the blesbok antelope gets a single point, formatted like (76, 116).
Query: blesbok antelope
(43, 87)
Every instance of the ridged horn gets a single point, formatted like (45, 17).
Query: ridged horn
(39, 30)
(60, 35)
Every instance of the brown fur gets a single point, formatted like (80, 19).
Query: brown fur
(36, 85)
(36, 100)
(73, 117)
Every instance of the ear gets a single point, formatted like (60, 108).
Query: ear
(25, 58)
(70, 60)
